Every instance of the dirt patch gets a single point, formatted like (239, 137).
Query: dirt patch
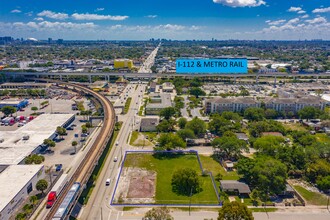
(142, 142)
(136, 186)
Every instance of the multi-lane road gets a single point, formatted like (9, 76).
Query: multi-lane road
(98, 206)
(149, 62)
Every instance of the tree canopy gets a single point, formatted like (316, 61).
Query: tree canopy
(42, 185)
(158, 213)
(170, 141)
(167, 113)
(235, 211)
(254, 114)
(309, 112)
(8, 110)
(186, 182)
(228, 146)
(197, 125)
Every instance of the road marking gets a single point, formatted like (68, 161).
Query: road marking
(117, 216)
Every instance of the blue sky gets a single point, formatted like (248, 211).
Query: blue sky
(174, 19)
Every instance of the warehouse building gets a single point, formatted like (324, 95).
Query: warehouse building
(123, 63)
(18, 144)
(17, 103)
(25, 85)
(157, 103)
(16, 184)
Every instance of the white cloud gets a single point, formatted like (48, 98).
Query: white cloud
(278, 22)
(321, 10)
(293, 21)
(240, 3)
(15, 11)
(38, 19)
(99, 9)
(151, 16)
(294, 9)
(88, 16)
(170, 27)
(53, 15)
(301, 12)
(304, 16)
(317, 20)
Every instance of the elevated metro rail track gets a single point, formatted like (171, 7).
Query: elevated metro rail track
(86, 167)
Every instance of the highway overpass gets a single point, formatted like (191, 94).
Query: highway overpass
(148, 76)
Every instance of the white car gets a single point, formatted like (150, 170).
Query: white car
(116, 159)
(107, 182)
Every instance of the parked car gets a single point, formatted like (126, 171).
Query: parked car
(116, 159)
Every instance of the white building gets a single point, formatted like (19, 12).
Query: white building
(16, 183)
(13, 149)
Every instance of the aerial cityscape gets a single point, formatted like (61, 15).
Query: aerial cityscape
(153, 110)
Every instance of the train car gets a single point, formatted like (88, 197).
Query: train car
(66, 204)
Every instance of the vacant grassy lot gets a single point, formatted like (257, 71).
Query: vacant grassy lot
(312, 198)
(165, 166)
(323, 138)
(294, 126)
(214, 166)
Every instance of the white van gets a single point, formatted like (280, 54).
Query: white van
(107, 182)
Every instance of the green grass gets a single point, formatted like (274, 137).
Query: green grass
(214, 166)
(323, 138)
(134, 137)
(141, 110)
(165, 167)
(85, 195)
(263, 209)
(312, 198)
(151, 135)
(127, 104)
(294, 126)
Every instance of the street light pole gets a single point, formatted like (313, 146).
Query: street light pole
(190, 199)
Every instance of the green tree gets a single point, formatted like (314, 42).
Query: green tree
(84, 129)
(8, 110)
(324, 183)
(167, 113)
(254, 114)
(166, 125)
(186, 182)
(20, 216)
(197, 125)
(228, 146)
(186, 133)
(309, 112)
(61, 131)
(170, 141)
(159, 213)
(33, 199)
(235, 211)
(182, 122)
(34, 108)
(220, 124)
(270, 113)
(42, 185)
(49, 143)
(268, 144)
(196, 91)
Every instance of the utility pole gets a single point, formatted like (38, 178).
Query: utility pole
(190, 199)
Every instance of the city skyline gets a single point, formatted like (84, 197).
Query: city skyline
(178, 20)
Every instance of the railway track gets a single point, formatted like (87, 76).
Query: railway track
(86, 167)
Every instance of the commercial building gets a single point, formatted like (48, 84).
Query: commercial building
(279, 104)
(17, 103)
(167, 87)
(123, 63)
(18, 144)
(157, 103)
(16, 183)
(25, 85)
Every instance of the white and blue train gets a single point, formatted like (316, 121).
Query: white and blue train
(63, 211)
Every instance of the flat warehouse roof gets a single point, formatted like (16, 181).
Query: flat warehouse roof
(13, 179)
(14, 149)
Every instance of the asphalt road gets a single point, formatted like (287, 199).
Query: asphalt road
(98, 206)
(149, 62)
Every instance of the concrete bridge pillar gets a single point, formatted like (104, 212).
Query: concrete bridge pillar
(274, 81)
(61, 78)
(257, 79)
(90, 78)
